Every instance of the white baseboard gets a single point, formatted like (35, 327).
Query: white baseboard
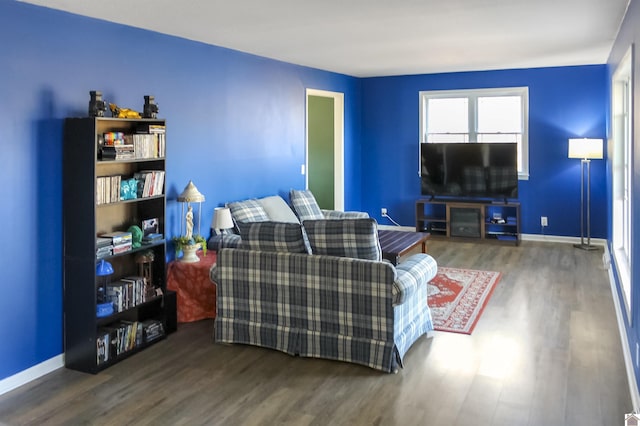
(626, 350)
(397, 228)
(30, 374)
(524, 237)
(560, 239)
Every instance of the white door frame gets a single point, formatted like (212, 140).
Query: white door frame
(338, 138)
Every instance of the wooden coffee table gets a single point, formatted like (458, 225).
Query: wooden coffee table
(395, 244)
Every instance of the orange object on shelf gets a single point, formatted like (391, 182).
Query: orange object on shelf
(196, 294)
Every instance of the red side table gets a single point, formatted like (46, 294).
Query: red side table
(196, 294)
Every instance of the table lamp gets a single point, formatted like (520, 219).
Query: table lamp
(587, 150)
(221, 221)
(188, 196)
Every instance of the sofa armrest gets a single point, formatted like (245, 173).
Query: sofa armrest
(417, 270)
(217, 242)
(336, 214)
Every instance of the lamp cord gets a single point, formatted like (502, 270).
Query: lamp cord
(392, 221)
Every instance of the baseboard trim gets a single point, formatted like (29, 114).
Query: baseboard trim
(561, 239)
(397, 228)
(626, 350)
(35, 372)
(523, 237)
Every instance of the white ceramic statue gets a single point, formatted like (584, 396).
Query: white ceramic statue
(189, 220)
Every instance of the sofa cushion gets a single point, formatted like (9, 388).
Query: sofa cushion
(305, 205)
(336, 214)
(354, 238)
(272, 236)
(278, 210)
(248, 211)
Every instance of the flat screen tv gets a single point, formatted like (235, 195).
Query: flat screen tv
(469, 170)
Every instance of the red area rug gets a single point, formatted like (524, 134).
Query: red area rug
(457, 297)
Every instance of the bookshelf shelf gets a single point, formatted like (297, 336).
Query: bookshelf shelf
(93, 343)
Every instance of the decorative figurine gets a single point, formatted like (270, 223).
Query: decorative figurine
(145, 270)
(150, 107)
(136, 236)
(97, 106)
(118, 112)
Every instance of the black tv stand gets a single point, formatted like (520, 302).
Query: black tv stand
(497, 221)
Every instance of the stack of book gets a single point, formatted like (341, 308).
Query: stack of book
(150, 182)
(108, 189)
(104, 247)
(121, 241)
(117, 339)
(150, 140)
(127, 293)
(117, 147)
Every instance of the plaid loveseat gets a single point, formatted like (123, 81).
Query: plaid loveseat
(324, 305)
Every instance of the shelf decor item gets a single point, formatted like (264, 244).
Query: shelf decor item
(586, 150)
(188, 242)
(150, 108)
(104, 270)
(97, 106)
(117, 112)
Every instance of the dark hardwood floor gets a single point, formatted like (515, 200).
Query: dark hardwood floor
(546, 351)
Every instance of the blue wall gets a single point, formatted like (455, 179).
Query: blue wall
(563, 103)
(235, 126)
(627, 36)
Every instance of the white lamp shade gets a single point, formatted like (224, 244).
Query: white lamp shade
(585, 148)
(222, 218)
(191, 194)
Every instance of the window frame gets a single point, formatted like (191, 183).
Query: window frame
(621, 154)
(472, 95)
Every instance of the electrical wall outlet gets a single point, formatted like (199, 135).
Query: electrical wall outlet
(383, 211)
(544, 221)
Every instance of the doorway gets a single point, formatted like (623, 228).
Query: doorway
(325, 148)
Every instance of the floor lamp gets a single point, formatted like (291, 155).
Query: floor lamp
(586, 150)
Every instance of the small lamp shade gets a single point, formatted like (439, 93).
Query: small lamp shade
(222, 218)
(104, 268)
(585, 148)
(191, 194)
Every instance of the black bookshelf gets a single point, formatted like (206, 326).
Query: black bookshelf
(84, 220)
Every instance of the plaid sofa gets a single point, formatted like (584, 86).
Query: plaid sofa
(273, 208)
(360, 310)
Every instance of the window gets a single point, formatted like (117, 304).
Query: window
(477, 116)
(621, 139)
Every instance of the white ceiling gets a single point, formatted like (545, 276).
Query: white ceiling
(367, 38)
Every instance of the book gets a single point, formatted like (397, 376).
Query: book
(118, 237)
(105, 251)
(102, 346)
(103, 242)
(121, 248)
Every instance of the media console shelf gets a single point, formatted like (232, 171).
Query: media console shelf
(465, 219)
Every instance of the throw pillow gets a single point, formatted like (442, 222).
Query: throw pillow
(305, 205)
(354, 238)
(278, 210)
(247, 211)
(273, 236)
